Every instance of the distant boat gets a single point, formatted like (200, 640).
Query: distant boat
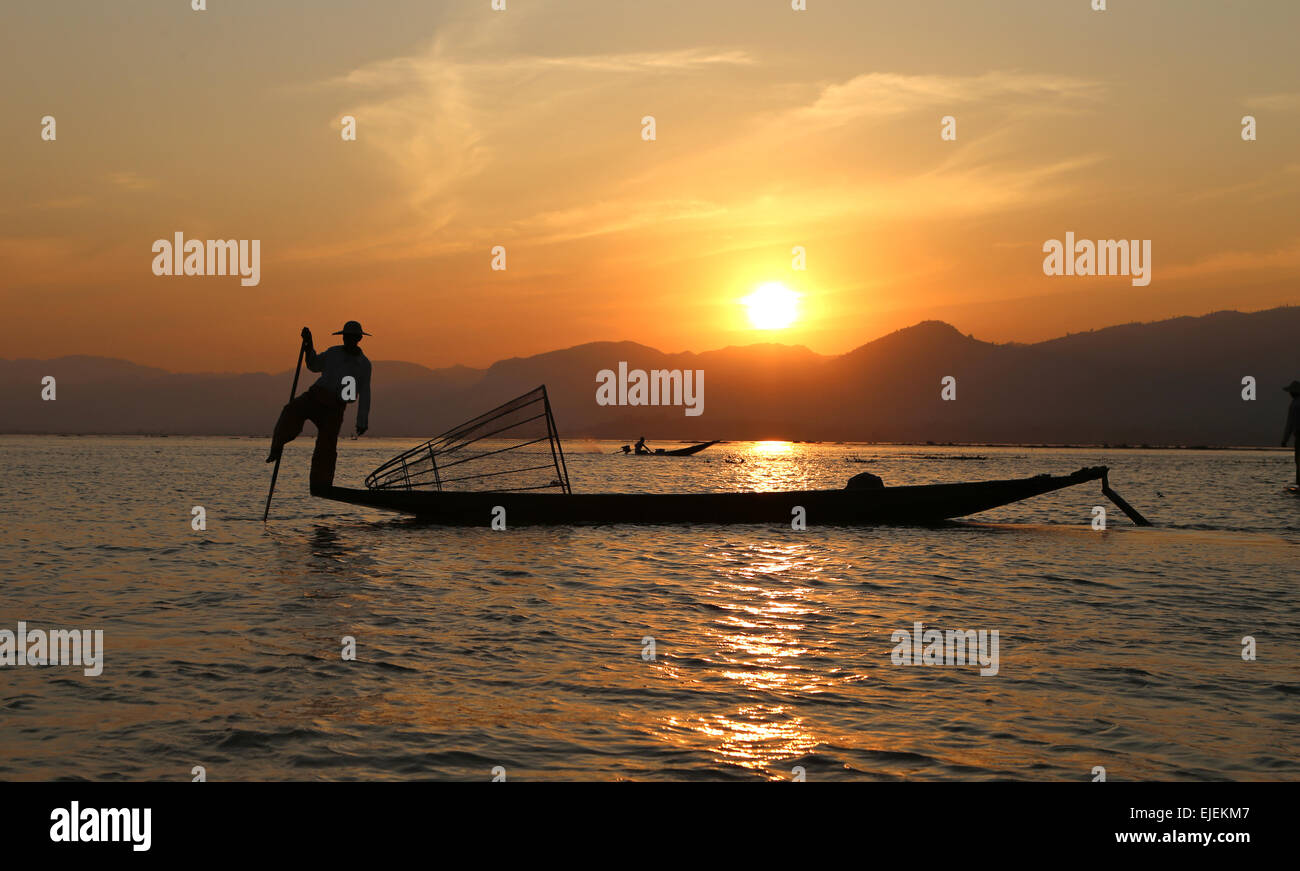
(675, 452)
(506, 460)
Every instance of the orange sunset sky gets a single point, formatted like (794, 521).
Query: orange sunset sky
(522, 128)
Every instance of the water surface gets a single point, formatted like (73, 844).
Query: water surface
(524, 649)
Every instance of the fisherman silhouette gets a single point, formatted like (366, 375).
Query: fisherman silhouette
(640, 446)
(1293, 424)
(325, 401)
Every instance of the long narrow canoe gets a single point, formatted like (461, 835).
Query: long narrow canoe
(675, 452)
(919, 504)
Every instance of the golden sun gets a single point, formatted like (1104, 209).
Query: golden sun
(773, 306)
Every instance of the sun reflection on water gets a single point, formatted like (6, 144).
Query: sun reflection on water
(769, 466)
(756, 646)
(755, 736)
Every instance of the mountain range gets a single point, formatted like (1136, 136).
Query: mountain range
(1172, 382)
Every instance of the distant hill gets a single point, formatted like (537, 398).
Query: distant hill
(1170, 382)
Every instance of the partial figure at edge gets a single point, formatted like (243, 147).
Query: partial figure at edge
(1293, 424)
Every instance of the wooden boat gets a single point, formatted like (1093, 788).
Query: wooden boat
(511, 458)
(675, 452)
(918, 504)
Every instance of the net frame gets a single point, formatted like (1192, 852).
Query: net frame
(421, 468)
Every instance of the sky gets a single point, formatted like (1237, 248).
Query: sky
(774, 128)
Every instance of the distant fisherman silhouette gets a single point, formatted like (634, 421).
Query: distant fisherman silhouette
(323, 403)
(1293, 424)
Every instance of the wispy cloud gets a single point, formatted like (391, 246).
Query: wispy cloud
(885, 94)
(613, 216)
(127, 180)
(1284, 258)
(1281, 102)
(398, 72)
(455, 124)
(443, 116)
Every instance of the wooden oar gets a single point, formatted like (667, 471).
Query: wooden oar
(1133, 514)
(275, 473)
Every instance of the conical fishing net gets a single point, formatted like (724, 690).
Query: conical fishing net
(512, 447)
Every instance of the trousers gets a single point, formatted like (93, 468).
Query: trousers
(326, 411)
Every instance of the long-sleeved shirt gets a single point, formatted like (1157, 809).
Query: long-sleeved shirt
(335, 365)
(1293, 422)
